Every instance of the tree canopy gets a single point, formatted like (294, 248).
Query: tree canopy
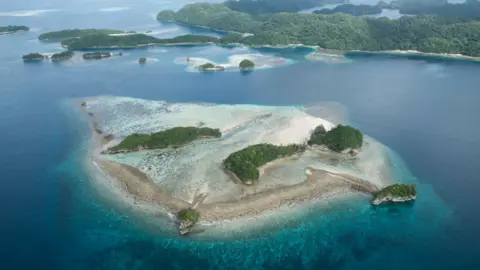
(244, 163)
(33, 57)
(13, 28)
(425, 33)
(62, 56)
(246, 64)
(355, 10)
(274, 6)
(173, 137)
(337, 139)
(76, 33)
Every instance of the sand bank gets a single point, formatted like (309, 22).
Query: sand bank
(137, 185)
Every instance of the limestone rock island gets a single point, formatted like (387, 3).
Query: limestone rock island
(395, 193)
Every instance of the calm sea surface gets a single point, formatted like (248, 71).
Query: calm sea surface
(426, 112)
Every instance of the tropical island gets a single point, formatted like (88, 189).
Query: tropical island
(339, 139)
(10, 29)
(355, 10)
(249, 168)
(62, 56)
(142, 60)
(395, 193)
(76, 33)
(246, 65)
(424, 33)
(244, 163)
(210, 67)
(33, 57)
(99, 55)
(174, 137)
(274, 6)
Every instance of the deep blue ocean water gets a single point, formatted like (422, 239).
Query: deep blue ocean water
(426, 112)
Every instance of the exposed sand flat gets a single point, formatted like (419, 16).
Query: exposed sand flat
(283, 182)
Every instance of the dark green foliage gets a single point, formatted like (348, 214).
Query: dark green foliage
(173, 137)
(13, 28)
(246, 64)
(131, 41)
(188, 215)
(274, 6)
(142, 60)
(33, 57)
(206, 66)
(355, 10)
(398, 190)
(337, 139)
(76, 33)
(107, 41)
(62, 56)
(244, 163)
(426, 33)
(96, 55)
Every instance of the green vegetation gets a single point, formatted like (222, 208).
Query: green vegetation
(62, 56)
(131, 41)
(12, 29)
(246, 64)
(337, 139)
(244, 163)
(142, 60)
(425, 33)
(173, 137)
(355, 10)
(96, 55)
(188, 215)
(33, 57)
(76, 33)
(395, 193)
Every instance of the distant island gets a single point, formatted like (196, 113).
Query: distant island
(173, 137)
(395, 193)
(62, 56)
(132, 41)
(142, 60)
(246, 65)
(274, 6)
(10, 29)
(244, 163)
(34, 57)
(210, 67)
(355, 10)
(424, 33)
(76, 33)
(99, 55)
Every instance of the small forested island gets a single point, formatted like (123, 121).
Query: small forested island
(210, 67)
(244, 163)
(33, 57)
(62, 56)
(132, 41)
(173, 137)
(339, 139)
(99, 55)
(355, 10)
(76, 33)
(246, 65)
(424, 33)
(9, 29)
(469, 9)
(142, 60)
(187, 218)
(395, 193)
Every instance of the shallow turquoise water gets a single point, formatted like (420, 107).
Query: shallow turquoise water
(53, 218)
